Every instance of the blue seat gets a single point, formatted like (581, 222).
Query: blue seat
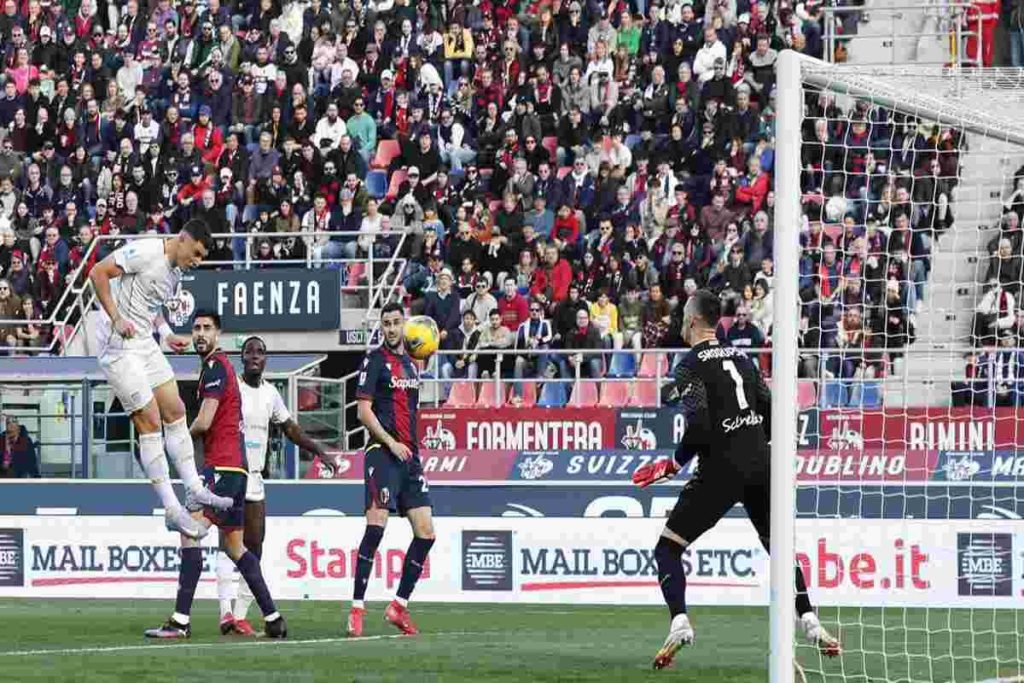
(377, 183)
(833, 394)
(632, 140)
(623, 365)
(866, 395)
(553, 395)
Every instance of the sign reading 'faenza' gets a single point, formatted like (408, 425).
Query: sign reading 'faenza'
(261, 300)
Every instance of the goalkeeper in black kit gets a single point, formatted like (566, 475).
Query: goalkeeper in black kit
(727, 407)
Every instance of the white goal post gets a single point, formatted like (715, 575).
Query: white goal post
(984, 105)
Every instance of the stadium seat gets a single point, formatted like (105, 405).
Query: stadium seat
(309, 399)
(462, 395)
(806, 394)
(865, 395)
(614, 394)
(529, 395)
(564, 171)
(632, 140)
(397, 178)
(653, 365)
(584, 393)
(492, 395)
(377, 184)
(553, 395)
(643, 393)
(550, 143)
(833, 394)
(623, 364)
(387, 150)
(356, 271)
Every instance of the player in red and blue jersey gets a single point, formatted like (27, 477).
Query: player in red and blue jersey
(220, 424)
(388, 396)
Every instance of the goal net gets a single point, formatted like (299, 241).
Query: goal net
(898, 375)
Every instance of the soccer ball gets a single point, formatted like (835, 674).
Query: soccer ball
(421, 337)
(835, 208)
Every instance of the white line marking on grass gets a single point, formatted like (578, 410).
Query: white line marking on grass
(221, 645)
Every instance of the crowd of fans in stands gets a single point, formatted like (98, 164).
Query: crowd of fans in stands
(565, 173)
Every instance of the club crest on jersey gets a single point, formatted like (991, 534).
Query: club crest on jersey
(384, 496)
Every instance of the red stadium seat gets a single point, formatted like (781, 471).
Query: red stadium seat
(643, 393)
(492, 395)
(309, 399)
(584, 393)
(397, 178)
(614, 394)
(653, 365)
(529, 396)
(806, 394)
(387, 150)
(355, 275)
(550, 143)
(564, 171)
(462, 395)
(725, 322)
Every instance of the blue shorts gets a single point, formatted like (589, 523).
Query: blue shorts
(230, 483)
(392, 484)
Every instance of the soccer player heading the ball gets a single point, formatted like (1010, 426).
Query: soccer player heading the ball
(727, 407)
(388, 395)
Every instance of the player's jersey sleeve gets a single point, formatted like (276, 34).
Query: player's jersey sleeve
(136, 256)
(278, 410)
(214, 381)
(369, 375)
(689, 392)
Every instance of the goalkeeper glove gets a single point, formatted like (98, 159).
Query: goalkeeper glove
(654, 472)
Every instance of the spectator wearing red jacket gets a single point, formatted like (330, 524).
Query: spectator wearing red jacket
(552, 281)
(754, 188)
(566, 232)
(513, 307)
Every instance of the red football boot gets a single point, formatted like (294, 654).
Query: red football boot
(355, 622)
(244, 628)
(399, 617)
(227, 624)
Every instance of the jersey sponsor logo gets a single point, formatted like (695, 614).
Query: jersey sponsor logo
(12, 557)
(438, 438)
(536, 467)
(211, 385)
(487, 560)
(404, 382)
(731, 424)
(985, 564)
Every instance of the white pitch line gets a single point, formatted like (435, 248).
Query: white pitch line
(259, 642)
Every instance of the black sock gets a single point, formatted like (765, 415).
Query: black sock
(803, 600)
(671, 576)
(415, 558)
(364, 565)
(249, 567)
(188, 579)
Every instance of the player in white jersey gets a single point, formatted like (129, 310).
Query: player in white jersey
(132, 284)
(262, 406)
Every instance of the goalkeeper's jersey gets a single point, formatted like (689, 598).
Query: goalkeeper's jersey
(726, 404)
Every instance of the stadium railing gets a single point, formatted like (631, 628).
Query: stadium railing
(65, 325)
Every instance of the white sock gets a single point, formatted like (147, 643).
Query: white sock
(182, 453)
(154, 464)
(225, 583)
(358, 604)
(244, 601)
(273, 616)
(402, 601)
(182, 619)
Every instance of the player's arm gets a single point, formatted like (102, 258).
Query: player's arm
(299, 437)
(101, 274)
(688, 391)
(179, 343)
(366, 417)
(212, 385)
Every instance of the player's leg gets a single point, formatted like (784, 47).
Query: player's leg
(756, 500)
(381, 488)
(231, 523)
(227, 592)
(414, 500)
(177, 438)
(253, 536)
(701, 504)
(189, 570)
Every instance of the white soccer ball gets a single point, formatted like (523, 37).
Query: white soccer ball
(835, 209)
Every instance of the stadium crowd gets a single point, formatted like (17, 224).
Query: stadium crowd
(565, 173)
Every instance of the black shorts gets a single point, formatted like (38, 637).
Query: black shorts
(230, 483)
(707, 497)
(392, 484)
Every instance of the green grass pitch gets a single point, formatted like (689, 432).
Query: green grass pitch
(100, 640)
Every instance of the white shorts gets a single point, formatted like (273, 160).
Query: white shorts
(133, 374)
(254, 490)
